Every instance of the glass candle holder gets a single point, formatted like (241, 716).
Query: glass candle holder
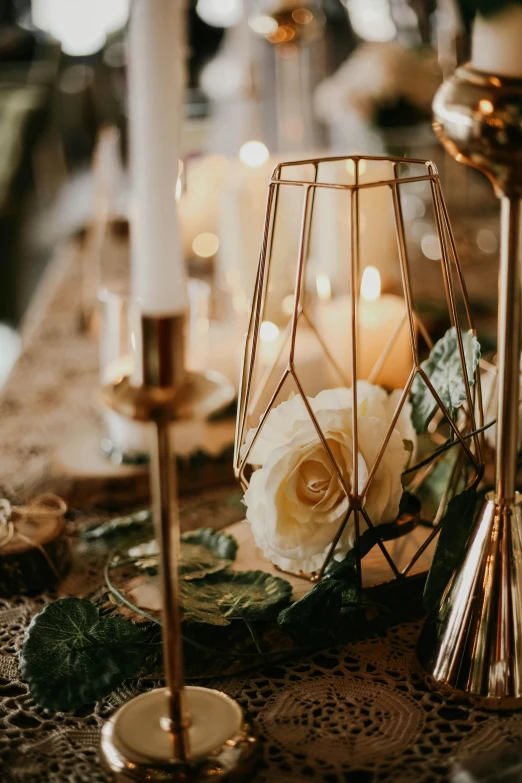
(127, 442)
(123, 441)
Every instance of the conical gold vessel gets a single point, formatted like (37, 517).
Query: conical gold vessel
(473, 642)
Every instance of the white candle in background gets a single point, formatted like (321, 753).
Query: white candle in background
(127, 437)
(310, 362)
(330, 240)
(243, 203)
(242, 206)
(382, 318)
(156, 103)
(497, 42)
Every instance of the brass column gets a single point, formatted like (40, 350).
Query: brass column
(508, 349)
(163, 368)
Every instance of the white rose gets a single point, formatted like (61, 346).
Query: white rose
(375, 401)
(295, 500)
(284, 420)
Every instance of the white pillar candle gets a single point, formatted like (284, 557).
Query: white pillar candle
(497, 42)
(242, 214)
(156, 90)
(331, 234)
(382, 318)
(311, 365)
(241, 217)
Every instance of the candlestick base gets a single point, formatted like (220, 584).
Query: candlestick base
(135, 746)
(473, 642)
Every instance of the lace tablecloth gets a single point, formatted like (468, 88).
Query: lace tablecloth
(355, 713)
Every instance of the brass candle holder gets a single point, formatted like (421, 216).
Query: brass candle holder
(474, 641)
(176, 733)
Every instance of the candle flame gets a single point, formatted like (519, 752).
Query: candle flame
(253, 154)
(371, 284)
(269, 332)
(324, 289)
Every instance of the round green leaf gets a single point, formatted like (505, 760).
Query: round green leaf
(203, 551)
(232, 595)
(206, 551)
(70, 657)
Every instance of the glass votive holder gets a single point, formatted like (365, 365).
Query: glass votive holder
(127, 442)
(123, 441)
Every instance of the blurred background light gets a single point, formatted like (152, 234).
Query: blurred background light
(371, 19)
(221, 78)
(81, 26)
(205, 245)
(253, 154)
(263, 24)
(219, 13)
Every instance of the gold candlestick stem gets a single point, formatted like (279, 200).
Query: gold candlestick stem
(508, 349)
(163, 367)
(165, 494)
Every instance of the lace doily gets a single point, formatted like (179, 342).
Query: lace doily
(355, 713)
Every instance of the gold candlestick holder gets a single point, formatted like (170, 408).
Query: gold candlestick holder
(473, 643)
(176, 733)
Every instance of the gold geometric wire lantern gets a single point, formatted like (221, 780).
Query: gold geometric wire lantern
(312, 330)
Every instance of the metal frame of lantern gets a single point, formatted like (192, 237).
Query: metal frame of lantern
(249, 396)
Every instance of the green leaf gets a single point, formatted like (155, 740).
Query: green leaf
(444, 370)
(455, 529)
(117, 525)
(70, 657)
(319, 609)
(327, 604)
(232, 595)
(449, 444)
(433, 487)
(203, 551)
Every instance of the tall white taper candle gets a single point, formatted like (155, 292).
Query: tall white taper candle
(497, 42)
(156, 92)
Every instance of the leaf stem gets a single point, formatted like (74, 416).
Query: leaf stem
(255, 636)
(125, 601)
(442, 449)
